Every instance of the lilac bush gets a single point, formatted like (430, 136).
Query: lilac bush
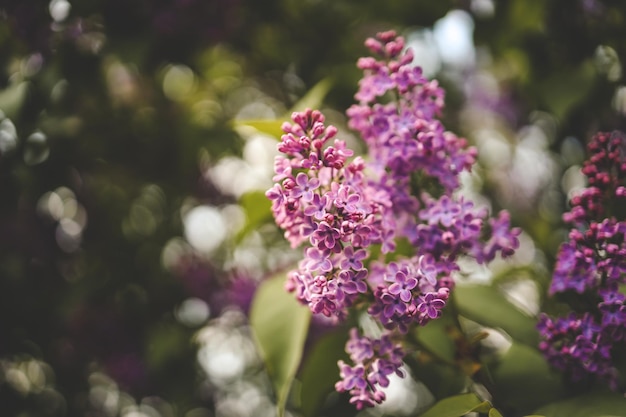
(348, 214)
(591, 265)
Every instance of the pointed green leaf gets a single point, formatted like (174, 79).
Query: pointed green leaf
(516, 272)
(270, 127)
(273, 127)
(484, 407)
(435, 338)
(596, 404)
(280, 325)
(523, 379)
(441, 380)
(457, 406)
(320, 371)
(488, 306)
(314, 98)
(257, 208)
(494, 413)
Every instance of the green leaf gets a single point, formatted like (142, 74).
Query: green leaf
(313, 98)
(595, 404)
(441, 380)
(488, 306)
(435, 337)
(494, 413)
(320, 372)
(280, 325)
(257, 208)
(516, 272)
(523, 379)
(458, 406)
(567, 88)
(271, 127)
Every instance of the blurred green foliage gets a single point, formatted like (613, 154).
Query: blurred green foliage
(114, 112)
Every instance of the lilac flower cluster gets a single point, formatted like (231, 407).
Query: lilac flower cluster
(343, 211)
(324, 201)
(403, 136)
(592, 265)
(408, 291)
(374, 361)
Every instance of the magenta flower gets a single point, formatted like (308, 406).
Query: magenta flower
(360, 348)
(347, 212)
(317, 260)
(351, 377)
(326, 237)
(402, 286)
(591, 266)
(317, 208)
(444, 212)
(304, 187)
(430, 305)
(375, 360)
(353, 259)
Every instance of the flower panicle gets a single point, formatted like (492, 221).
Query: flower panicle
(374, 361)
(592, 266)
(343, 209)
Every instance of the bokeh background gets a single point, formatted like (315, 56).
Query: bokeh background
(133, 226)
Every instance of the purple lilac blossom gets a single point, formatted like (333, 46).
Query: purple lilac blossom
(343, 210)
(374, 361)
(326, 203)
(591, 265)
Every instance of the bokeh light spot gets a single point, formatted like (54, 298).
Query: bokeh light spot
(178, 82)
(8, 135)
(192, 312)
(204, 228)
(36, 150)
(59, 9)
(454, 37)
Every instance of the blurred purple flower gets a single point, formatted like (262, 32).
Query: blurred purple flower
(592, 265)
